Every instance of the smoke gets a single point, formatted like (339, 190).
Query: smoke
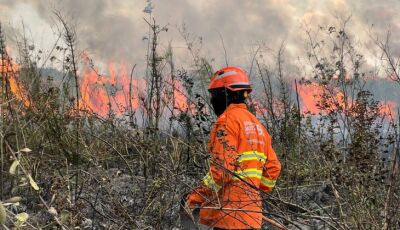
(114, 30)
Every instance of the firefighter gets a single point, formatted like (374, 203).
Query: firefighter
(243, 162)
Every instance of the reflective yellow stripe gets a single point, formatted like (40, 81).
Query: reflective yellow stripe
(209, 182)
(268, 182)
(248, 173)
(252, 155)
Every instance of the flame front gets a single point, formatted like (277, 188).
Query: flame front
(308, 95)
(104, 95)
(311, 95)
(9, 70)
(118, 93)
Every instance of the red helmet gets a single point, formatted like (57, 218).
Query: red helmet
(232, 78)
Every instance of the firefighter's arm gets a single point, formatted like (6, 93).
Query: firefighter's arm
(223, 151)
(272, 168)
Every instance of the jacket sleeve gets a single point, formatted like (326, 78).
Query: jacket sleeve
(271, 170)
(223, 150)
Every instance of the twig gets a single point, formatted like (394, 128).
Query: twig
(223, 46)
(130, 96)
(275, 223)
(284, 218)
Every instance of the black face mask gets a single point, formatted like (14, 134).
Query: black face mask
(221, 98)
(219, 102)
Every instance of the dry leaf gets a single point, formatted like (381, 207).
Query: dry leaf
(33, 183)
(13, 167)
(25, 150)
(13, 200)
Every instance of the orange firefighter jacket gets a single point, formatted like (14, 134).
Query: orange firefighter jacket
(242, 163)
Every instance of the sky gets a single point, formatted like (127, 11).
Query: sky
(115, 30)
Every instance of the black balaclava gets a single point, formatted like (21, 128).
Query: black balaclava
(221, 98)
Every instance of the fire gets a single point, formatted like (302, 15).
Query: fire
(311, 94)
(117, 93)
(180, 102)
(10, 69)
(388, 108)
(93, 95)
(103, 95)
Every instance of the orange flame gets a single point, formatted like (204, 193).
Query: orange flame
(388, 108)
(10, 69)
(103, 95)
(180, 99)
(110, 94)
(311, 94)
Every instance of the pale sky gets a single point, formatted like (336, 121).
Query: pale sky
(113, 30)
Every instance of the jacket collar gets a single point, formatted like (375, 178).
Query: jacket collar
(240, 106)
